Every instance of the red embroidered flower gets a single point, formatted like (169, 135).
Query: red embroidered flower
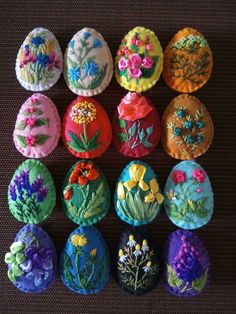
(32, 110)
(30, 122)
(30, 140)
(199, 175)
(179, 176)
(83, 173)
(68, 194)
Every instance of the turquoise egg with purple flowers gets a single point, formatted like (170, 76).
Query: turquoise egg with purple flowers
(31, 260)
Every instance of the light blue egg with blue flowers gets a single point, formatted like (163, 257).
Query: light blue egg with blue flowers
(188, 196)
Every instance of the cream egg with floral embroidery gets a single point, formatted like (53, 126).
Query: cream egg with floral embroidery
(39, 62)
(139, 60)
(88, 64)
(38, 126)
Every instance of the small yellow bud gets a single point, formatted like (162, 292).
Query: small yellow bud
(137, 247)
(93, 252)
(131, 237)
(121, 253)
(145, 242)
(149, 263)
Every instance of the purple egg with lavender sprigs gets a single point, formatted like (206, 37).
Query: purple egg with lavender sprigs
(187, 264)
(31, 260)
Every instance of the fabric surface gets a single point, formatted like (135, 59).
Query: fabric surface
(113, 19)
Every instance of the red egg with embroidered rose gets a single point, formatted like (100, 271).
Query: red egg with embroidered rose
(136, 126)
(86, 129)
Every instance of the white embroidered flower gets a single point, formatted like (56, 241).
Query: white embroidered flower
(147, 267)
(131, 243)
(145, 247)
(171, 195)
(137, 251)
(129, 98)
(122, 256)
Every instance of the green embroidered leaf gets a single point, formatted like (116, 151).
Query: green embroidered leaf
(21, 140)
(200, 283)
(173, 280)
(142, 136)
(147, 144)
(122, 123)
(132, 130)
(170, 125)
(98, 79)
(41, 138)
(149, 130)
(41, 122)
(26, 113)
(123, 137)
(21, 126)
(149, 72)
(93, 142)
(71, 62)
(93, 208)
(82, 144)
(38, 112)
(76, 144)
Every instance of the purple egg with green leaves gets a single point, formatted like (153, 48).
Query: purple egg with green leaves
(31, 260)
(187, 264)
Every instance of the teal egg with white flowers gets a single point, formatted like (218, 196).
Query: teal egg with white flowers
(188, 196)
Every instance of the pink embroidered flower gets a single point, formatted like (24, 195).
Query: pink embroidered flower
(133, 40)
(147, 62)
(135, 72)
(136, 61)
(139, 43)
(31, 110)
(119, 53)
(123, 64)
(34, 100)
(178, 176)
(30, 140)
(199, 175)
(30, 122)
(199, 190)
(149, 47)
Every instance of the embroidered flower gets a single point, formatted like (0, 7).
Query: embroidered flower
(42, 193)
(79, 240)
(135, 60)
(187, 124)
(145, 247)
(71, 44)
(178, 176)
(31, 110)
(136, 172)
(177, 131)
(97, 43)
(67, 193)
(199, 124)
(91, 68)
(120, 191)
(12, 191)
(149, 47)
(171, 195)
(37, 41)
(86, 35)
(122, 256)
(135, 72)
(83, 112)
(154, 193)
(137, 251)
(190, 139)
(83, 173)
(199, 175)
(147, 62)
(30, 140)
(131, 243)
(30, 122)
(180, 113)
(199, 190)
(43, 59)
(147, 267)
(123, 64)
(93, 252)
(74, 74)
(200, 139)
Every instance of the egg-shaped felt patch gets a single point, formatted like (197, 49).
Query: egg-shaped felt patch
(88, 63)
(85, 193)
(138, 262)
(138, 196)
(187, 61)
(38, 127)
(188, 196)
(85, 261)
(39, 61)
(31, 193)
(187, 128)
(136, 126)
(86, 128)
(139, 60)
(32, 260)
(187, 264)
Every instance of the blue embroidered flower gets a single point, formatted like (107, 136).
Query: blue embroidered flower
(74, 74)
(37, 41)
(71, 44)
(91, 68)
(180, 113)
(42, 193)
(190, 139)
(200, 124)
(200, 139)
(43, 59)
(86, 35)
(97, 43)
(27, 47)
(187, 124)
(177, 131)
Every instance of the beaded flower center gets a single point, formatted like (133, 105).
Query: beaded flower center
(83, 112)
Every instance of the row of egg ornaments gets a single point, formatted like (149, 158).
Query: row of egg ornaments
(88, 63)
(85, 263)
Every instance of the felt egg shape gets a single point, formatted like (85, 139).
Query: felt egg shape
(139, 60)
(187, 61)
(136, 126)
(138, 263)
(187, 128)
(88, 63)
(38, 127)
(85, 193)
(86, 128)
(188, 196)
(32, 260)
(138, 196)
(85, 261)
(187, 264)
(31, 193)
(39, 60)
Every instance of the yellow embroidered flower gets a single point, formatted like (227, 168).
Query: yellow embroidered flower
(147, 267)
(145, 247)
(190, 202)
(131, 241)
(93, 252)
(122, 256)
(79, 240)
(48, 46)
(154, 194)
(120, 191)
(83, 112)
(136, 172)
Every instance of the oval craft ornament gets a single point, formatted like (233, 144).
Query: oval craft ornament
(139, 60)
(187, 128)
(39, 62)
(38, 127)
(32, 260)
(31, 193)
(138, 196)
(85, 261)
(187, 61)
(88, 64)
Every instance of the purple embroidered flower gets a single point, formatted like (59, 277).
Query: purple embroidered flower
(37, 184)
(42, 193)
(12, 190)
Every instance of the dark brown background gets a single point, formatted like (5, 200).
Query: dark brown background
(215, 19)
